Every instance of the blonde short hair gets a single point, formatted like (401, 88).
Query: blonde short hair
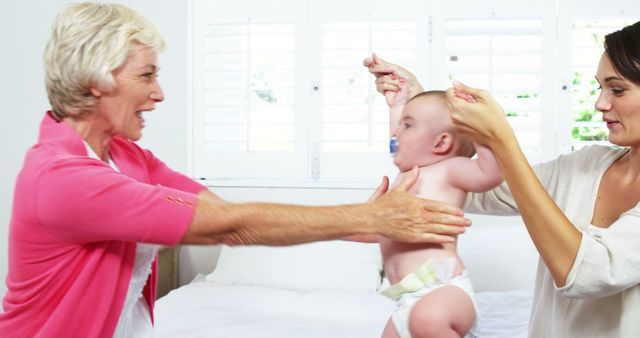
(88, 42)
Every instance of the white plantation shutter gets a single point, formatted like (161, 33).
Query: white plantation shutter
(249, 87)
(355, 118)
(508, 49)
(587, 127)
(581, 33)
(246, 119)
(351, 121)
(280, 97)
(503, 56)
(350, 130)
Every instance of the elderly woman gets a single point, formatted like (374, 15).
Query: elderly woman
(89, 203)
(581, 209)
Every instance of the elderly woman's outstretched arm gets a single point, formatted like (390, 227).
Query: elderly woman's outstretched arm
(396, 215)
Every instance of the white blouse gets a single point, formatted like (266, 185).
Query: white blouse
(601, 297)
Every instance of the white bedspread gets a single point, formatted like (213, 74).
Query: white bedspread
(203, 309)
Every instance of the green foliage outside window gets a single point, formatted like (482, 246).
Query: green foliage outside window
(589, 134)
(584, 96)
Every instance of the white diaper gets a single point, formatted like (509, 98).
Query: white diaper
(428, 277)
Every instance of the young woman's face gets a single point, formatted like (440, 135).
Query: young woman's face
(619, 102)
(137, 90)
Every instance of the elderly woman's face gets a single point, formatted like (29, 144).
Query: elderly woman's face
(137, 90)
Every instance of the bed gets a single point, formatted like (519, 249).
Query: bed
(330, 289)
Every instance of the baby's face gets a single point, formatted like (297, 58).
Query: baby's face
(422, 120)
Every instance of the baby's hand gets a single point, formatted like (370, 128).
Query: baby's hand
(387, 75)
(400, 98)
(459, 93)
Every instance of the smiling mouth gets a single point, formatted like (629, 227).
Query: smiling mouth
(140, 118)
(610, 124)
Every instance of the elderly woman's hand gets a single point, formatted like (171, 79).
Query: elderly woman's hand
(380, 191)
(389, 75)
(476, 113)
(410, 219)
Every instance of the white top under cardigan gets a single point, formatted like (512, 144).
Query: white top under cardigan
(601, 297)
(135, 318)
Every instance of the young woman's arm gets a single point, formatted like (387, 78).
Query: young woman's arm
(555, 237)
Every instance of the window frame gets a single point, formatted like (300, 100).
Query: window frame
(313, 168)
(568, 12)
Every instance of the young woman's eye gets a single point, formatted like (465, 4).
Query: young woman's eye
(617, 91)
(406, 125)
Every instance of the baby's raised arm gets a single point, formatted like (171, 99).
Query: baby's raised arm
(477, 175)
(396, 102)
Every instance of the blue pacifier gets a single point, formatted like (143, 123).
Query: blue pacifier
(393, 145)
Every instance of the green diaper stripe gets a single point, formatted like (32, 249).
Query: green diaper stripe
(424, 275)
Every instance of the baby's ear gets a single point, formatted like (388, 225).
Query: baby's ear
(443, 144)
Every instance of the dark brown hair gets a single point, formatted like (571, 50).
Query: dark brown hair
(623, 49)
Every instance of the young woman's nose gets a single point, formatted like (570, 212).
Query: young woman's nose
(603, 103)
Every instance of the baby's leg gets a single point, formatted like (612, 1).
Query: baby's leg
(390, 330)
(445, 312)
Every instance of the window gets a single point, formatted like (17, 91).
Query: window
(246, 102)
(355, 118)
(505, 57)
(351, 121)
(506, 48)
(284, 97)
(249, 87)
(581, 31)
(280, 97)
(587, 47)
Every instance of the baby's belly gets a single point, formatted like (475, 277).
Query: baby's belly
(401, 259)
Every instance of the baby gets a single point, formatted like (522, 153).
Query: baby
(428, 281)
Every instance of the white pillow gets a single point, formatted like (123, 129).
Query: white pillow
(320, 266)
(499, 258)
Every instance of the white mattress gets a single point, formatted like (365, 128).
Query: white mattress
(204, 309)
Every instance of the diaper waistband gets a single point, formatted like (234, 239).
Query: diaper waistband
(431, 272)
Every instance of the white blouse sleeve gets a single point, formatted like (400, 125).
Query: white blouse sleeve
(607, 260)
(499, 201)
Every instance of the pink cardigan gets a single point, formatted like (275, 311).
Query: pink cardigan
(73, 230)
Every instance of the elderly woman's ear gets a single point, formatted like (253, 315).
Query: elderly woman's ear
(95, 92)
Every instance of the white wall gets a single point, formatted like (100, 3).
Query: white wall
(24, 30)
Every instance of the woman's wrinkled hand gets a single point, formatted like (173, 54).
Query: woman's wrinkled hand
(410, 219)
(380, 191)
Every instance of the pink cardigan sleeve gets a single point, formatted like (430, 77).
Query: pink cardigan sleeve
(160, 173)
(81, 200)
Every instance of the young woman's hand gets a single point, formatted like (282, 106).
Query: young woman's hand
(476, 113)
